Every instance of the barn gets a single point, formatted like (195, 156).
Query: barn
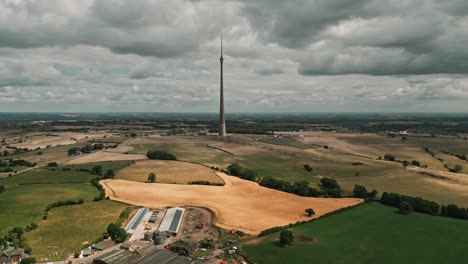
(172, 220)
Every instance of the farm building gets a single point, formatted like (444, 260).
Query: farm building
(153, 217)
(10, 255)
(172, 220)
(133, 224)
(145, 255)
(186, 248)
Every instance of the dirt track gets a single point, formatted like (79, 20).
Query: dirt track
(240, 204)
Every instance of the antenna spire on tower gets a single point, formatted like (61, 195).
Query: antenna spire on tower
(221, 46)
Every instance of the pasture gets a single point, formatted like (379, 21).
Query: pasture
(168, 171)
(28, 194)
(70, 228)
(24, 204)
(371, 233)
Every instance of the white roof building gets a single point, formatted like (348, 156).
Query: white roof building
(172, 220)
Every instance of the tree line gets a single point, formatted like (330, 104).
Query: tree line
(17, 162)
(237, 170)
(160, 155)
(405, 163)
(407, 204)
(58, 204)
(86, 149)
(328, 187)
(205, 183)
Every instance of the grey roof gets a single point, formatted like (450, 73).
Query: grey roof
(146, 255)
(163, 256)
(114, 256)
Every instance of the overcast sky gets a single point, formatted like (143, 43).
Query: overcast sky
(294, 56)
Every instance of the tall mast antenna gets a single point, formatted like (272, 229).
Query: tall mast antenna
(222, 120)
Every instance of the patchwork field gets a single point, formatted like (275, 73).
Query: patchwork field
(168, 171)
(89, 222)
(350, 158)
(371, 233)
(239, 204)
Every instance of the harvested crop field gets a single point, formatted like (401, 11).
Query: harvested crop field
(168, 171)
(239, 204)
(51, 140)
(104, 156)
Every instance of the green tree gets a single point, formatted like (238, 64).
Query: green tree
(389, 157)
(310, 212)
(286, 238)
(109, 174)
(117, 233)
(234, 169)
(2, 189)
(416, 163)
(97, 169)
(405, 208)
(151, 177)
(329, 183)
(52, 164)
(360, 191)
(29, 260)
(457, 168)
(308, 168)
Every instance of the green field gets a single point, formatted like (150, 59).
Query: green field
(57, 234)
(21, 205)
(28, 194)
(371, 233)
(106, 165)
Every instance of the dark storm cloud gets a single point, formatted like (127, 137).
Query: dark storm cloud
(304, 55)
(148, 28)
(367, 36)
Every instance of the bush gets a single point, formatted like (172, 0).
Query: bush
(360, 191)
(310, 212)
(286, 237)
(2, 189)
(52, 164)
(205, 183)
(97, 169)
(300, 188)
(331, 187)
(29, 260)
(117, 234)
(405, 208)
(160, 155)
(206, 244)
(109, 174)
(389, 157)
(236, 170)
(454, 211)
(418, 204)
